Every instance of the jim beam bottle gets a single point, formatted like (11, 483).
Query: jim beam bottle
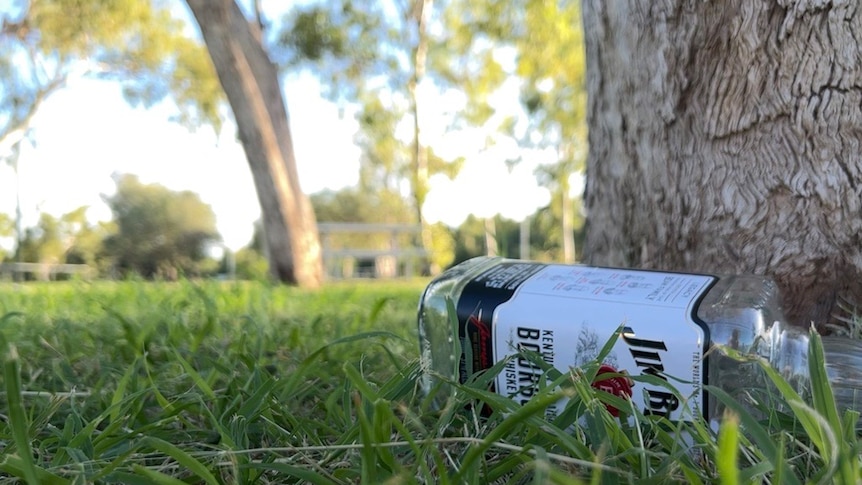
(669, 321)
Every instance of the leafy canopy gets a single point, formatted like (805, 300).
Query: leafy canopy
(160, 232)
(44, 43)
(364, 53)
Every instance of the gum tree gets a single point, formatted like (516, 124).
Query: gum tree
(724, 137)
(250, 81)
(44, 43)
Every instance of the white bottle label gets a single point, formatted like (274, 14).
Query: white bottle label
(568, 313)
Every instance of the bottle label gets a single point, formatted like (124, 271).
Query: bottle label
(566, 314)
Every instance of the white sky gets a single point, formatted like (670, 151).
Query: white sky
(86, 132)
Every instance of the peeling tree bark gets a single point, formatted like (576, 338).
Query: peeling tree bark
(725, 137)
(250, 81)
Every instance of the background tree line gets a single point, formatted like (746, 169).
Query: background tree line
(160, 233)
(382, 61)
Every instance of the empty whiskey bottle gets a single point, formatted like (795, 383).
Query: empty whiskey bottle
(670, 323)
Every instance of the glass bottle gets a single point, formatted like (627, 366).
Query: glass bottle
(670, 321)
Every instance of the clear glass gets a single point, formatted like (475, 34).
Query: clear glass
(436, 337)
(742, 313)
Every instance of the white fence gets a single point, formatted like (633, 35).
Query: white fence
(43, 271)
(350, 250)
(395, 251)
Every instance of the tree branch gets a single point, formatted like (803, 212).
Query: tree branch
(258, 15)
(21, 123)
(18, 29)
(257, 26)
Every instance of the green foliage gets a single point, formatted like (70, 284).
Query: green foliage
(123, 382)
(88, 246)
(473, 53)
(365, 52)
(7, 225)
(470, 238)
(545, 238)
(44, 43)
(313, 36)
(159, 232)
(474, 47)
(43, 243)
(351, 204)
(138, 43)
(442, 246)
(385, 159)
(343, 40)
(69, 238)
(251, 265)
(7, 229)
(547, 233)
(76, 28)
(539, 43)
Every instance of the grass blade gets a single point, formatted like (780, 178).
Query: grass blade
(816, 426)
(196, 377)
(182, 458)
(257, 401)
(120, 392)
(299, 373)
(455, 329)
(160, 398)
(369, 461)
(17, 416)
(305, 475)
(377, 308)
(821, 391)
(155, 477)
(824, 403)
(840, 453)
(10, 316)
(728, 442)
(761, 437)
(14, 465)
(536, 406)
(541, 466)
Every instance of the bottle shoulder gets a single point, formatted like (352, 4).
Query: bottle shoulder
(745, 297)
(451, 282)
(739, 310)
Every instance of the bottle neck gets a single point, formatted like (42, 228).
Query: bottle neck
(844, 367)
(786, 349)
(788, 354)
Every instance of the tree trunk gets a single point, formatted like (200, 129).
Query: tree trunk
(421, 15)
(250, 81)
(491, 246)
(568, 226)
(567, 212)
(725, 138)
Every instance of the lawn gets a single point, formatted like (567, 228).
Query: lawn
(221, 382)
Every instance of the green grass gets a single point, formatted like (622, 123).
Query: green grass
(211, 382)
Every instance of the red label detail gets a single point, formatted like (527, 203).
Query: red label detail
(484, 332)
(620, 386)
